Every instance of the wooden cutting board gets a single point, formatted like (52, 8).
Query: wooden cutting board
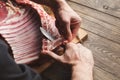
(81, 36)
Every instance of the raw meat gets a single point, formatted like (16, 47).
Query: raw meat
(47, 21)
(20, 28)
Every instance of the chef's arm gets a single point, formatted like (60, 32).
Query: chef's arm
(81, 72)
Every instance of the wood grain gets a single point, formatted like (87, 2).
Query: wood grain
(106, 26)
(101, 74)
(106, 54)
(100, 28)
(106, 6)
(95, 14)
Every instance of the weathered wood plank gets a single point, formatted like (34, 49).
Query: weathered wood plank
(95, 14)
(100, 28)
(107, 26)
(100, 74)
(106, 54)
(107, 6)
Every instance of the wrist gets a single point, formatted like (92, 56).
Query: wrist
(57, 5)
(84, 72)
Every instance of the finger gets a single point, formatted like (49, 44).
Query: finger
(67, 32)
(52, 54)
(75, 27)
(58, 25)
(64, 30)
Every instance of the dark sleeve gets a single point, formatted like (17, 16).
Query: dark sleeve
(9, 70)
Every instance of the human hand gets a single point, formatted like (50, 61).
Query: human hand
(67, 21)
(75, 54)
(79, 57)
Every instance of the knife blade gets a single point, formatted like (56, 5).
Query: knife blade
(47, 34)
(56, 42)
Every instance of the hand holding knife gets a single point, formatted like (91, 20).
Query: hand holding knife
(55, 42)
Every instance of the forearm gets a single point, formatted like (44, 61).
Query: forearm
(54, 4)
(81, 73)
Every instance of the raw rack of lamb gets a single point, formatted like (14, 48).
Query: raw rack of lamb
(19, 26)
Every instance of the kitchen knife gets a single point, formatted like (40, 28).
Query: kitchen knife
(47, 34)
(57, 42)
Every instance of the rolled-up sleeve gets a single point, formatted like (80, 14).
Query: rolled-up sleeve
(9, 70)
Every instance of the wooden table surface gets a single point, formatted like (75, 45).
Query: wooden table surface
(101, 19)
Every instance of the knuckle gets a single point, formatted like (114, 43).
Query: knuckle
(65, 20)
(76, 20)
(79, 19)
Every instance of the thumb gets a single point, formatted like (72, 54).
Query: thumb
(52, 54)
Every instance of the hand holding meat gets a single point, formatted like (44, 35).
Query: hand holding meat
(74, 54)
(79, 57)
(67, 21)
